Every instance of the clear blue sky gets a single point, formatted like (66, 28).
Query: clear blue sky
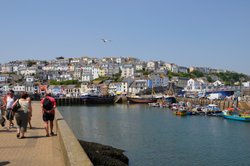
(211, 33)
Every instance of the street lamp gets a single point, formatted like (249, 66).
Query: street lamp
(241, 80)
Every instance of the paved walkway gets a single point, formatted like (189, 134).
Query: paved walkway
(35, 150)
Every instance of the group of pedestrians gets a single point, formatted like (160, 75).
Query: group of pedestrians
(20, 109)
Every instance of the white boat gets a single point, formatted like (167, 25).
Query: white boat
(212, 110)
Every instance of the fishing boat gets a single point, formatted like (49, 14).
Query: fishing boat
(142, 99)
(238, 117)
(97, 97)
(212, 110)
(181, 111)
(234, 115)
(169, 100)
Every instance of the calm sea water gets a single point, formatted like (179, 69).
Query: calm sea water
(156, 137)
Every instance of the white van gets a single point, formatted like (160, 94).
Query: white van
(215, 96)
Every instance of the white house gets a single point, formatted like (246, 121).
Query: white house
(48, 67)
(77, 74)
(6, 88)
(246, 84)
(118, 60)
(118, 87)
(6, 68)
(29, 88)
(3, 78)
(195, 85)
(127, 71)
(159, 80)
(28, 71)
(95, 72)
(217, 83)
(87, 75)
(72, 91)
(138, 67)
(29, 79)
(172, 67)
(151, 65)
(15, 68)
(65, 76)
(19, 88)
(61, 68)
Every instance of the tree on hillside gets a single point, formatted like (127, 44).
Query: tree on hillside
(30, 63)
(60, 57)
(67, 82)
(197, 73)
(231, 77)
(209, 79)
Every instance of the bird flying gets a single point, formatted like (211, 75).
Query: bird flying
(106, 40)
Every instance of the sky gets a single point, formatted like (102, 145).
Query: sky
(207, 33)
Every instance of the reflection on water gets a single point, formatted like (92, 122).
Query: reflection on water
(154, 136)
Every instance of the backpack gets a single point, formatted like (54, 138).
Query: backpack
(47, 104)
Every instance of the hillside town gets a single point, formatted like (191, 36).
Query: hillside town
(72, 77)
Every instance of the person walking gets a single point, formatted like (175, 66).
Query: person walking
(2, 119)
(48, 105)
(29, 113)
(22, 114)
(8, 102)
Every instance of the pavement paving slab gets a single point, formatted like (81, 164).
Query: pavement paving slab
(34, 150)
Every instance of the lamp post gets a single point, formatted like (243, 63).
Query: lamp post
(241, 80)
(240, 93)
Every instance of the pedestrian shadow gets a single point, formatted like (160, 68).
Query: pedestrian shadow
(38, 136)
(7, 131)
(4, 162)
(36, 128)
(35, 137)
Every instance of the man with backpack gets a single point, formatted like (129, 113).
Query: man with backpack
(48, 105)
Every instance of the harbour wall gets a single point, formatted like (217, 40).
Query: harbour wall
(223, 104)
(69, 101)
(73, 153)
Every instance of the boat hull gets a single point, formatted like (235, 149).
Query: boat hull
(180, 113)
(237, 117)
(92, 99)
(142, 100)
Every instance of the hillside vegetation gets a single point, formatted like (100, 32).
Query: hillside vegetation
(229, 78)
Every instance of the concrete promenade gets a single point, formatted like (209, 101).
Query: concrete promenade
(34, 150)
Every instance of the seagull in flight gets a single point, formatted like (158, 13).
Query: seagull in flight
(106, 40)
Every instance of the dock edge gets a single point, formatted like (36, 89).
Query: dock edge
(73, 153)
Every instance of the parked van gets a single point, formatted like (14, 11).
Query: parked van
(215, 96)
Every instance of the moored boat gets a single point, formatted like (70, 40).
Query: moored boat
(180, 112)
(169, 100)
(97, 99)
(212, 110)
(233, 114)
(142, 99)
(237, 117)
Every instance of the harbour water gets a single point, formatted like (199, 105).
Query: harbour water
(156, 137)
